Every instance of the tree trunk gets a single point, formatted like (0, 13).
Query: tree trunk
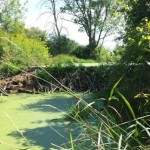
(91, 47)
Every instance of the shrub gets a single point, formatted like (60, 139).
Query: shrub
(19, 50)
(80, 52)
(103, 55)
(63, 59)
(61, 45)
(9, 69)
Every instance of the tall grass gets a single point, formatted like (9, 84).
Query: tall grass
(108, 130)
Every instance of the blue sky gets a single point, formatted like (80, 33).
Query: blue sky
(34, 18)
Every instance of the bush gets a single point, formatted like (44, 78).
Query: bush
(103, 55)
(80, 52)
(61, 45)
(63, 59)
(9, 69)
(19, 50)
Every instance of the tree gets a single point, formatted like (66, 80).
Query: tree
(11, 15)
(54, 10)
(36, 33)
(137, 30)
(103, 55)
(66, 45)
(97, 18)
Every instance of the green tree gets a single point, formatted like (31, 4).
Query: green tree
(11, 16)
(118, 52)
(66, 45)
(137, 30)
(103, 55)
(80, 52)
(97, 18)
(36, 33)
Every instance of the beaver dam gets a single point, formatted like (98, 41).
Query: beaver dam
(35, 80)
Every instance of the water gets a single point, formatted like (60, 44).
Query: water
(29, 121)
(36, 122)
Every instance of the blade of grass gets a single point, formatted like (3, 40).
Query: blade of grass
(120, 142)
(127, 104)
(113, 88)
(14, 124)
(144, 128)
(71, 140)
(130, 110)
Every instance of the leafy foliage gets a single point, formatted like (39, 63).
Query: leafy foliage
(118, 52)
(11, 15)
(81, 52)
(36, 33)
(9, 69)
(62, 59)
(96, 18)
(19, 50)
(103, 55)
(137, 31)
(61, 45)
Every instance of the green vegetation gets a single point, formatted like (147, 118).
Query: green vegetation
(29, 52)
(115, 116)
(137, 30)
(114, 127)
(94, 18)
(11, 16)
(62, 45)
(67, 59)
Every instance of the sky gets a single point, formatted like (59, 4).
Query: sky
(33, 18)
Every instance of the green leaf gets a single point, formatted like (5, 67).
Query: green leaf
(139, 29)
(88, 105)
(131, 111)
(113, 88)
(148, 25)
(71, 140)
(128, 105)
(139, 43)
(144, 128)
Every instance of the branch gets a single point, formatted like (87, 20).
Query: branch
(106, 14)
(96, 18)
(67, 20)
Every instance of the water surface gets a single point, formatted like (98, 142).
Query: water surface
(35, 122)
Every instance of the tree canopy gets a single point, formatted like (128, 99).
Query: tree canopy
(97, 18)
(137, 30)
(11, 16)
